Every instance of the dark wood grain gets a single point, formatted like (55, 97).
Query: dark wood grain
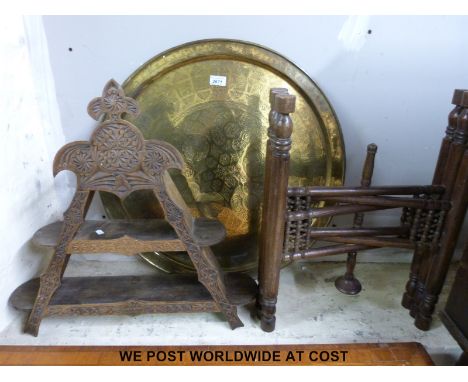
(375, 241)
(348, 283)
(390, 201)
(329, 250)
(96, 236)
(362, 231)
(455, 179)
(364, 191)
(84, 293)
(443, 175)
(430, 221)
(274, 205)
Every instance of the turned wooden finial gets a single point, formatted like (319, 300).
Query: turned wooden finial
(464, 98)
(454, 114)
(460, 135)
(284, 103)
(372, 148)
(273, 113)
(457, 96)
(274, 92)
(368, 168)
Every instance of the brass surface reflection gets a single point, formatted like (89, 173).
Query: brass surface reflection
(221, 132)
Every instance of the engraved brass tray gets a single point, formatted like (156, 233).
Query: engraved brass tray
(221, 131)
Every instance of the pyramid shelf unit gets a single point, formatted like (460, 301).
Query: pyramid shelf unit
(117, 159)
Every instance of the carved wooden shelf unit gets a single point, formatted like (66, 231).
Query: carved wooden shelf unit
(117, 159)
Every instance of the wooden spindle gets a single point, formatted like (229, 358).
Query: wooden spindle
(324, 232)
(348, 283)
(325, 251)
(274, 206)
(318, 192)
(272, 117)
(309, 223)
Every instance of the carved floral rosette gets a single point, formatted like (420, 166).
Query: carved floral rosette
(117, 159)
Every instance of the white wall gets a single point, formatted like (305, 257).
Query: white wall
(392, 86)
(30, 134)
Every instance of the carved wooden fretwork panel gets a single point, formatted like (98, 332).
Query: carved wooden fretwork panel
(117, 159)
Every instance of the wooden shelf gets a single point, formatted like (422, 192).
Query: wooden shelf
(134, 294)
(119, 160)
(130, 236)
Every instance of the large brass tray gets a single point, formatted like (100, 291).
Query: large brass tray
(221, 132)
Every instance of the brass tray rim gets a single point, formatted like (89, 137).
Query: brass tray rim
(299, 86)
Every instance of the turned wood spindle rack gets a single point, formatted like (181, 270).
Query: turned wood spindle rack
(431, 217)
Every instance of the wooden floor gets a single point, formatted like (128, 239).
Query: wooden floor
(410, 353)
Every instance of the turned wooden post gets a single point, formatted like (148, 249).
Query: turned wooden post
(443, 174)
(449, 133)
(272, 116)
(348, 283)
(274, 206)
(456, 183)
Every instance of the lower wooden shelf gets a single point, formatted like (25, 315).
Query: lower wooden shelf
(129, 295)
